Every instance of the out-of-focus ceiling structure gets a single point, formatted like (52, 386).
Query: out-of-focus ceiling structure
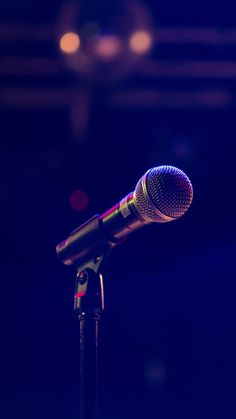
(185, 66)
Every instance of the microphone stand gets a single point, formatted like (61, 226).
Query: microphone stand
(89, 307)
(87, 248)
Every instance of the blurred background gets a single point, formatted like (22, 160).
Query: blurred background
(93, 94)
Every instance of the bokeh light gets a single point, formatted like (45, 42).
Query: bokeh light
(79, 200)
(107, 47)
(155, 373)
(70, 42)
(140, 42)
(90, 30)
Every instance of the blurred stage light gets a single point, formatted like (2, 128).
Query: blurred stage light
(107, 47)
(140, 42)
(79, 200)
(90, 30)
(109, 42)
(155, 373)
(70, 42)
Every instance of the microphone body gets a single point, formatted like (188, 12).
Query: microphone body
(163, 194)
(101, 232)
(122, 219)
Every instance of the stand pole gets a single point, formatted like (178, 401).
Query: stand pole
(89, 344)
(89, 304)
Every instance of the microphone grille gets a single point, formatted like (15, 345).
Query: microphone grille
(163, 194)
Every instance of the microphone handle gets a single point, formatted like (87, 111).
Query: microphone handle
(122, 219)
(100, 233)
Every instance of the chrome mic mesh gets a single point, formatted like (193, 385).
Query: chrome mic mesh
(163, 194)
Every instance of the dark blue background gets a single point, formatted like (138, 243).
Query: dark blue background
(170, 289)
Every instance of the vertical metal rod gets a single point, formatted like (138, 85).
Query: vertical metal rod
(89, 304)
(97, 320)
(81, 366)
(89, 358)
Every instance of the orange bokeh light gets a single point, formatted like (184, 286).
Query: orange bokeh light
(70, 42)
(140, 42)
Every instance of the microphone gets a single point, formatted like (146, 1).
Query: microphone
(162, 194)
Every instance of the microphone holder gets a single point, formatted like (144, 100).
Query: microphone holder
(89, 307)
(86, 249)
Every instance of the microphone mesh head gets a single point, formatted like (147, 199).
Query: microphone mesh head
(163, 194)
